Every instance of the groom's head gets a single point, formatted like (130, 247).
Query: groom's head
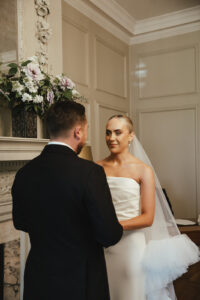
(67, 122)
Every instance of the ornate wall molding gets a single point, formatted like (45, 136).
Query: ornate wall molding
(43, 30)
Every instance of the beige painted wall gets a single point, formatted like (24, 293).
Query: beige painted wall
(98, 63)
(8, 26)
(166, 107)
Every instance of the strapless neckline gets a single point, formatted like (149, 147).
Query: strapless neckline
(118, 177)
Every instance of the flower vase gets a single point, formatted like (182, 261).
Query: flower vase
(24, 124)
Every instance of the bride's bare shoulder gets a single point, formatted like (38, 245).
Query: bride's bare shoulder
(135, 161)
(99, 162)
(102, 162)
(140, 164)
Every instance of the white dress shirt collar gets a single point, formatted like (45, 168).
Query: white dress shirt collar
(60, 143)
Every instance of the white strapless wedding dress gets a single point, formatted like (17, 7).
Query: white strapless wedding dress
(137, 271)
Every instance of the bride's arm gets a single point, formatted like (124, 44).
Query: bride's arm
(147, 193)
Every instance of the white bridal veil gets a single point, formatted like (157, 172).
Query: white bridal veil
(168, 253)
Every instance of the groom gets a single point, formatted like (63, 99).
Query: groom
(64, 204)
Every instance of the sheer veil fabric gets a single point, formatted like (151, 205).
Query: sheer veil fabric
(168, 253)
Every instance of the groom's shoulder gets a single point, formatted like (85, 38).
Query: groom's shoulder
(89, 164)
(28, 164)
(90, 167)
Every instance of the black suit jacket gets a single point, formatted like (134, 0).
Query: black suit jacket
(64, 204)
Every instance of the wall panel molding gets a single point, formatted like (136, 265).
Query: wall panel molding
(105, 79)
(179, 61)
(186, 118)
(80, 50)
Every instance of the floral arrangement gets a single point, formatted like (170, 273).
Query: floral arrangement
(26, 87)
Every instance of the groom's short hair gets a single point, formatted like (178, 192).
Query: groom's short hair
(63, 116)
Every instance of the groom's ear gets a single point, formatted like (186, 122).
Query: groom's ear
(77, 132)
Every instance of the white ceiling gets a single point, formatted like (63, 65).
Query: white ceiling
(142, 9)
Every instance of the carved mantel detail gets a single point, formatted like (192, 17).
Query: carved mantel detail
(6, 180)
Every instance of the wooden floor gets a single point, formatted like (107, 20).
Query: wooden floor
(187, 287)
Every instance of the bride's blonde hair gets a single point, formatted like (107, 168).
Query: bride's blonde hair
(127, 119)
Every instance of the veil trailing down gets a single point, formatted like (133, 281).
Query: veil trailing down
(168, 253)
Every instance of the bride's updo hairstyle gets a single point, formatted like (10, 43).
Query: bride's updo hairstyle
(127, 119)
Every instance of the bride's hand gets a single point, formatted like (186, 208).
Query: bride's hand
(123, 224)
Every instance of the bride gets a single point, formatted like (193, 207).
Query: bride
(152, 252)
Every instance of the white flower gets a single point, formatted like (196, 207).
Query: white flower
(75, 93)
(31, 87)
(32, 70)
(26, 97)
(69, 83)
(59, 77)
(17, 87)
(38, 99)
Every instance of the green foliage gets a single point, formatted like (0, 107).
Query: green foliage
(12, 71)
(25, 63)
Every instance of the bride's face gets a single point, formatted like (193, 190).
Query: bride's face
(118, 135)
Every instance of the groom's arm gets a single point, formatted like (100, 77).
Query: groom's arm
(101, 211)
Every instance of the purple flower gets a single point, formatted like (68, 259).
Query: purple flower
(50, 96)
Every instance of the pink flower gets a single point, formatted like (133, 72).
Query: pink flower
(66, 82)
(32, 70)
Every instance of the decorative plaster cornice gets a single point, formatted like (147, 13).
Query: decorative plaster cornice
(116, 12)
(165, 21)
(163, 26)
(165, 33)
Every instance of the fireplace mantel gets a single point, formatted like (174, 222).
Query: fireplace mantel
(14, 149)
